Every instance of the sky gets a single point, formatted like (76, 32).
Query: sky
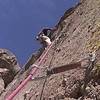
(21, 20)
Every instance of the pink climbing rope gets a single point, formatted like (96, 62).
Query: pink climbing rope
(33, 72)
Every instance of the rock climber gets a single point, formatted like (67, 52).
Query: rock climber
(45, 40)
(47, 32)
(45, 37)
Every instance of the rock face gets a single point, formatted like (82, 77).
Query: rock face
(8, 61)
(79, 31)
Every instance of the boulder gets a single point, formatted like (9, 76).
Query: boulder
(9, 62)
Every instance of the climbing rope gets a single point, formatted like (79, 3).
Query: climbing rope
(47, 68)
(45, 80)
(33, 72)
